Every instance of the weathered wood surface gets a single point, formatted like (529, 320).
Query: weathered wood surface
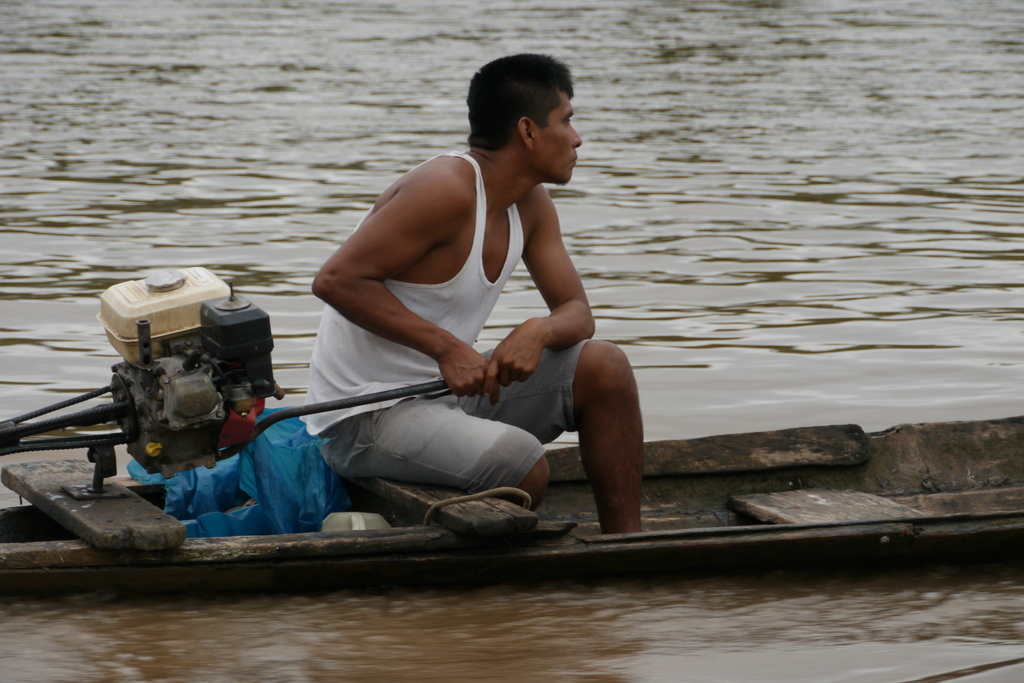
(487, 517)
(402, 541)
(111, 523)
(1008, 499)
(810, 506)
(934, 457)
(838, 445)
(462, 566)
(496, 561)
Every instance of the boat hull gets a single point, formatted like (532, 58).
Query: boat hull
(431, 557)
(962, 482)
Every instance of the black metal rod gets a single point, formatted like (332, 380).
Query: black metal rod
(97, 479)
(83, 418)
(61, 405)
(438, 386)
(145, 342)
(66, 442)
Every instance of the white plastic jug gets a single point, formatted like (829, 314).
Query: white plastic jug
(354, 521)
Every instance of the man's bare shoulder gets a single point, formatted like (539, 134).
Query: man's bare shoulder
(442, 181)
(537, 211)
(427, 208)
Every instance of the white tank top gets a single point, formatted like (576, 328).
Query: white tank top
(350, 361)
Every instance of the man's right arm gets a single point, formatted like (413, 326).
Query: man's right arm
(405, 236)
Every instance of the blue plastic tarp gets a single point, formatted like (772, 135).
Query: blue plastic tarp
(282, 470)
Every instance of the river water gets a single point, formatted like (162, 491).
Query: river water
(788, 213)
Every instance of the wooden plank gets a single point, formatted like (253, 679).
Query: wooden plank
(487, 563)
(980, 501)
(487, 517)
(832, 446)
(811, 506)
(111, 523)
(229, 549)
(401, 541)
(509, 560)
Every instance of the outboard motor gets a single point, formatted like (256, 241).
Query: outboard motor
(195, 375)
(196, 369)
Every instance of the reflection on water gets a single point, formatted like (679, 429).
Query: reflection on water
(789, 213)
(791, 626)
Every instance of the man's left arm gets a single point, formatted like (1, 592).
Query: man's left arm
(570, 319)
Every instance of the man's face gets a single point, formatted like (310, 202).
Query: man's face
(557, 143)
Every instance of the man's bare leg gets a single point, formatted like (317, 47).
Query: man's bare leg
(607, 412)
(536, 482)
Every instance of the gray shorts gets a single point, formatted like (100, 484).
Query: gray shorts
(463, 443)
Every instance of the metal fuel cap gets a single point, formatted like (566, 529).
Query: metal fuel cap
(165, 281)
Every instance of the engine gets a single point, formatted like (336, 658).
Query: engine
(196, 369)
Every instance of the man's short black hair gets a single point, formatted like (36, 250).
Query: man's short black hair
(509, 88)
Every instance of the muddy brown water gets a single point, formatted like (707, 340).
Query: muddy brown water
(787, 213)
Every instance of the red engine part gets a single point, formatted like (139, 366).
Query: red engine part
(238, 428)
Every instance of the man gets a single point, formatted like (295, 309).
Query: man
(408, 293)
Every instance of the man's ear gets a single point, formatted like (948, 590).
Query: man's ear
(526, 129)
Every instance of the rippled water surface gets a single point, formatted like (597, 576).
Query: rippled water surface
(929, 626)
(788, 213)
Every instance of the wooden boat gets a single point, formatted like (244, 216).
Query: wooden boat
(947, 492)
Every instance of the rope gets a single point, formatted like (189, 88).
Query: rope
(490, 493)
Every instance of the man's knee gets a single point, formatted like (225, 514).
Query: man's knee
(603, 368)
(503, 462)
